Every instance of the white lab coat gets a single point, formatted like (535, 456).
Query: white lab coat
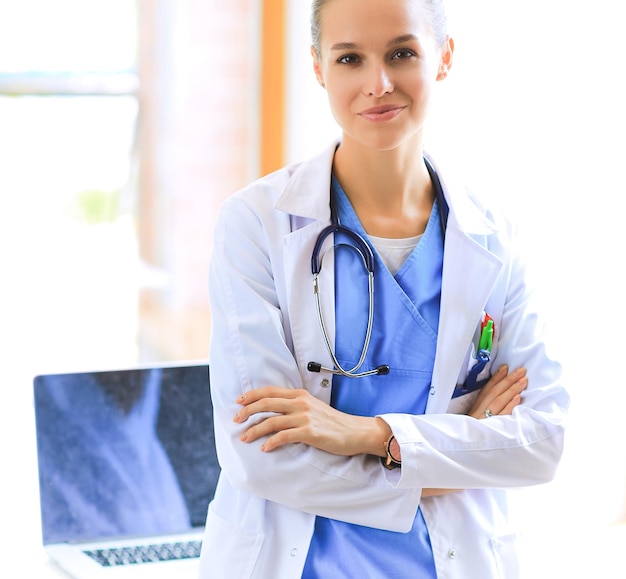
(266, 330)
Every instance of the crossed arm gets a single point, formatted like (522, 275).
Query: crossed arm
(297, 416)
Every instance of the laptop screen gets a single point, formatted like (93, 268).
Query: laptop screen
(124, 453)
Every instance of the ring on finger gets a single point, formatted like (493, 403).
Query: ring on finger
(488, 413)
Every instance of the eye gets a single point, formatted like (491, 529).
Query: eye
(403, 53)
(349, 59)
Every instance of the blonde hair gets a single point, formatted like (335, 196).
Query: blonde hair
(435, 9)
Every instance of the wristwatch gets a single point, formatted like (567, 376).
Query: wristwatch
(390, 461)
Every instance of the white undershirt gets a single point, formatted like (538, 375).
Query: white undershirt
(394, 252)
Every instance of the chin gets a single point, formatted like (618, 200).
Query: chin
(387, 142)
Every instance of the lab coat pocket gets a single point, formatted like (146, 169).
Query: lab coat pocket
(462, 404)
(225, 541)
(476, 373)
(506, 555)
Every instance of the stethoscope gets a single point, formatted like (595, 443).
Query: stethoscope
(365, 251)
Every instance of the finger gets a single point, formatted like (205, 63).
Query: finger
(500, 404)
(502, 400)
(275, 405)
(508, 409)
(496, 377)
(265, 392)
(281, 438)
(270, 425)
(507, 382)
(498, 384)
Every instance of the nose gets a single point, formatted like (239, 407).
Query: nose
(379, 81)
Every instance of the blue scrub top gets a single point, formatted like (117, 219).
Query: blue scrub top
(404, 337)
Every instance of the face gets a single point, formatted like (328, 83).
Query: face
(379, 61)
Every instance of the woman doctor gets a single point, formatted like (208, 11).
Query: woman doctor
(401, 471)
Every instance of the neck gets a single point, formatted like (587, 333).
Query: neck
(390, 191)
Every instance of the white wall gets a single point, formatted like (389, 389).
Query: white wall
(533, 113)
(310, 126)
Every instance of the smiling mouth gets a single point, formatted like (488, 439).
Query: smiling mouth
(382, 113)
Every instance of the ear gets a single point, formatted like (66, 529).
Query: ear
(445, 63)
(317, 67)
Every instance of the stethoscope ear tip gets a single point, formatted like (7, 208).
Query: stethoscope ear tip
(382, 370)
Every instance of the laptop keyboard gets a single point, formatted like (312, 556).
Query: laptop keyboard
(146, 553)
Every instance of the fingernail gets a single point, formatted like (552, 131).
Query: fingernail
(241, 399)
(263, 448)
(244, 437)
(236, 417)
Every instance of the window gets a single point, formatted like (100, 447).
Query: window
(68, 112)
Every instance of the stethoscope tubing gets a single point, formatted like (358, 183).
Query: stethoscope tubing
(339, 369)
(366, 253)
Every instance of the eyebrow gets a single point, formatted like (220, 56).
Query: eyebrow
(394, 42)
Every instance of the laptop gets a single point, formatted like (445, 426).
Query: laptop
(127, 467)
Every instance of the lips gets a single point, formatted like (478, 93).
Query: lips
(382, 112)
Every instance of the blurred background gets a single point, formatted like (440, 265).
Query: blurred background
(125, 123)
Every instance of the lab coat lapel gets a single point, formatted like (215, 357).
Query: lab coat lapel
(307, 337)
(470, 271)
(306, 199)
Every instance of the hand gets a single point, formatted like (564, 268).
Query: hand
(300, 417)
(501, 394)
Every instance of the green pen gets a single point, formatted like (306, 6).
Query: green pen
(486, 337)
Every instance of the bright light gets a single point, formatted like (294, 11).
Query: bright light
(67, 35)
